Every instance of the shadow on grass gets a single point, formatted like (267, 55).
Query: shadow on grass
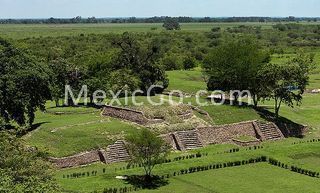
(142, 182)
(31, 128)
(287, 127)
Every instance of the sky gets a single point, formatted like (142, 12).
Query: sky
(149, 8)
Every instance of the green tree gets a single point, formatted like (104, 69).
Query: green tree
(141, 60)
(235, 65)
(171, 24)
(96, 77)
(189, 63)
(24, 85)
(59, 78)
(23, 169)
(286, 83)
(146, 149)
(172, 62)
(128, 82)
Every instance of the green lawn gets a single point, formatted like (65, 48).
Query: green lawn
(186, 81)
(225, 114)
(79, 129)
(249, 179)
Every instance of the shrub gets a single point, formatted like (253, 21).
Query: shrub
(189, 63)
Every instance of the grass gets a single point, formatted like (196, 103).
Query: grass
(225, 114)
(77, 130)
(250, 179)
(186, 81)
(245, 138)
(20, 31)
(306, 114)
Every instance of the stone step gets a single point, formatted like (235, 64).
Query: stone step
(117, 152)
(188, 139)
(269, 131)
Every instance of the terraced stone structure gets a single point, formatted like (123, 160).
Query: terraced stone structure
(116, 152)
(186, 140)
(182, 140)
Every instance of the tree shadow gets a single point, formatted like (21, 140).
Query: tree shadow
(229, 102)
(287, 127)
(36, 126)
(141, 182)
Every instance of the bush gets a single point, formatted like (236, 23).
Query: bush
(172, 62)
(189, 63)
(215, 29)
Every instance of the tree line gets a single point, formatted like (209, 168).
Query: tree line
(79, 19)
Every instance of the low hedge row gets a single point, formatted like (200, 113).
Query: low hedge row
(296, 169)
(217, 166)
(179, 158)
(190, 170)
(235, 150)
(80, 174)
(307, 141)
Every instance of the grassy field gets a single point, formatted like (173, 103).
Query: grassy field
(21, 31)
(249, 179)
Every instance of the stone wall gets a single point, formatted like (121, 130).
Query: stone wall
(226, 133)
(170, 140)
(129, 115)
(126, 114)
(77, 160)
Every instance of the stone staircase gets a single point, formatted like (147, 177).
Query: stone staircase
(269, 131)
(187, 140)
(117, 153)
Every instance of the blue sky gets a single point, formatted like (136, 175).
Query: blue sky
(147, 8)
